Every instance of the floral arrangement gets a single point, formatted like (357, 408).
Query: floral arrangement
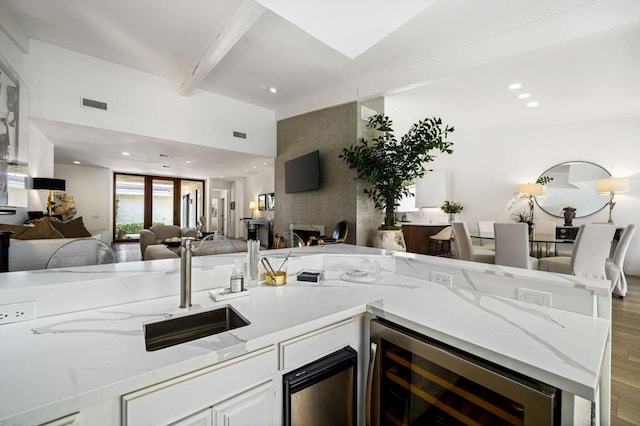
(451, 207)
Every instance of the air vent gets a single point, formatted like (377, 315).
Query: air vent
(239, 135)
(90, 103)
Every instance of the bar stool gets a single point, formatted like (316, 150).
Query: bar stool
(442, 242)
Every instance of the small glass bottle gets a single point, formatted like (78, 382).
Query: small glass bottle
(237, 279)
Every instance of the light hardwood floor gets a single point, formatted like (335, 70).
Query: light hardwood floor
(625, 369)
(625, 357)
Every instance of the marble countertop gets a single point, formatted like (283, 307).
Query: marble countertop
(67, 361)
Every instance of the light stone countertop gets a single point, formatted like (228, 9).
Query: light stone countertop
(63, 362)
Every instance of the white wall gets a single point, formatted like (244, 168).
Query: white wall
(489, 163)
(140, 103)
(91, 188)
(263, 183)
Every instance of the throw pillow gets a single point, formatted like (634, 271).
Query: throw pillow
(41, 231)
(72, 229)
(42, 219)
(16, 229)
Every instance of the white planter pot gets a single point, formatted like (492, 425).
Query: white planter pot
(389, 240)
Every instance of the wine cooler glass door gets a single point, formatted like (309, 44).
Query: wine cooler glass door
(419, 383)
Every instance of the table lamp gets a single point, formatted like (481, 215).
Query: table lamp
(252, 207)
(532, 190)
(51, 185)
(612, 186)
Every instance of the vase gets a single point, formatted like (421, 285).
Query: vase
(389, 240)
(452, 217)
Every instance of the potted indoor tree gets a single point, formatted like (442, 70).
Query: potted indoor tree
(388, 166)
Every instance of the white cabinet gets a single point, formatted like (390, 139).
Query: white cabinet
(179, 398)
(311, 346)
(203, 418)
(432, 189)
(249, 408)
(246, 390)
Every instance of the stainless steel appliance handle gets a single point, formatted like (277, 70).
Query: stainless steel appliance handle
(373, 350)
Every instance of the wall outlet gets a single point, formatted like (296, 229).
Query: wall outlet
(536, 297)
(17, 312)
(441, 278)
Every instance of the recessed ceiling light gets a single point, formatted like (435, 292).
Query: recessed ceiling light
(273, 90)
(515, 86)
(188, 162)
(264, 164)
(76, 162)
(524, 95)
(255, 167)
(125, 153)
(532, 104)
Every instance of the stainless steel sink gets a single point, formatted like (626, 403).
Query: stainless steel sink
(185, 328)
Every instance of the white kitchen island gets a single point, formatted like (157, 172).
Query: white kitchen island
(84, 355)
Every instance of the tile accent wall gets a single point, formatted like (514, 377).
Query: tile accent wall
(327, 130)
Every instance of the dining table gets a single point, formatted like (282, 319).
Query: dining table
(538, 246)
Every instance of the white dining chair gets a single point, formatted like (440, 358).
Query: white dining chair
(512, 246)
(614, 265)
(465, 248)
(589, 254)
(81, 252)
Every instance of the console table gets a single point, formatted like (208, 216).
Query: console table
(252, 229)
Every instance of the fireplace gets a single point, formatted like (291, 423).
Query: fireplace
(307, 231)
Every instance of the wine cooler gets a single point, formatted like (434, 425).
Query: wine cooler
(414, 380)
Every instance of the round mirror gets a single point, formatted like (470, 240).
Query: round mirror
(573, 184)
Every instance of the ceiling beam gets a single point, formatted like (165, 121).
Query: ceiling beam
(242, 18)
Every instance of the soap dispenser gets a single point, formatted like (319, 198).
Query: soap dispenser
(237, 278)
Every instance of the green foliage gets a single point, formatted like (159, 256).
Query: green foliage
(388, 165)
(544, 180)
(122, 229)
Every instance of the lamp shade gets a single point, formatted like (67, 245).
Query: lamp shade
(609, 185)
(49, 184)
(252, 205)
(533, 189)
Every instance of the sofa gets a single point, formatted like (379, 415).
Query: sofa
(157, 234)
(219, 245)
(31, 245)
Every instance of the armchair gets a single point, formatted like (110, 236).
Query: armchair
(339, 235)
(156, 234)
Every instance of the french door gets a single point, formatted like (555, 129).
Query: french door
(142, 201)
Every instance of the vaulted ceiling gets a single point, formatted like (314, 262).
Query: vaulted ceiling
(577, 58)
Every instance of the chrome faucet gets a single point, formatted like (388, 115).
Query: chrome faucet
(186, 250)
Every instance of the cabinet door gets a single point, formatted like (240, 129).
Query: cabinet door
(250, 408)
(432, 189)
(203, 418)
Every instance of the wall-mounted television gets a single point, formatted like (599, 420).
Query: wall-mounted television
(302, 173)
